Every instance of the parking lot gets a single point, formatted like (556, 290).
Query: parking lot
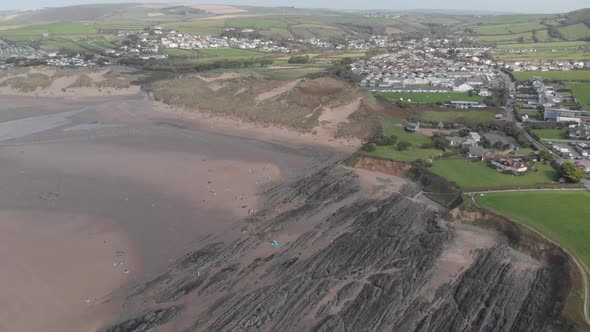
(576, 152)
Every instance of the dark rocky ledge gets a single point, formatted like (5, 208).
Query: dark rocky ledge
(350, 264)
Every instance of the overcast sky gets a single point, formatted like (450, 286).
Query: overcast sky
(528, 6)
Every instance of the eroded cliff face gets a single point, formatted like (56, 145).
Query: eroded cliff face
(346, 262)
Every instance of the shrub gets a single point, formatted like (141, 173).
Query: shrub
(299, 59)
(403, 145)
(370, 147)
(571, 172)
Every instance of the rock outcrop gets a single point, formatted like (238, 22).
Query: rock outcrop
(342, 262)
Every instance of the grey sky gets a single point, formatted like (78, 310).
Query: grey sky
(528, 6)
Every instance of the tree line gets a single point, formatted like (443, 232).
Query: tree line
(199, 67)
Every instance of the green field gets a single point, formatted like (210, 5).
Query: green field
(562, 216)
(204, 27)
(178, 53)
(506, 29)
(428, 97)
(256, 23)
(395, 126)
(276, 33)
(526, 36)
(529, 112)
(546, 46)
(582, 92)
(571, 75)
(35, 32)
(512, 19)
(457, 116)
(544, 55)
(121, 25)
(412, 154)
(551, 133)
(468, 174)
(230, 53)
(567, 50)
(532, 113)
(289, 22)
(576, 31)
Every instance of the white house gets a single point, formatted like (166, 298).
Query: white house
(485, 92)
(463, 88)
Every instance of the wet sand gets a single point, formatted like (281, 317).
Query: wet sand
(99, 195)
(53, 262)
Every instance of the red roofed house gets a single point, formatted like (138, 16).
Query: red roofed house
(506, 164)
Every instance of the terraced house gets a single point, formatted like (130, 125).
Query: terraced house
(581, 131)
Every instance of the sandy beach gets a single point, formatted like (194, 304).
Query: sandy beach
(57, 268)
(101, 195)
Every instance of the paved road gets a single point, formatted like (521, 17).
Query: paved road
(510, 116)
(510, 91)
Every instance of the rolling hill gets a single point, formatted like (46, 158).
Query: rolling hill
(573, 26)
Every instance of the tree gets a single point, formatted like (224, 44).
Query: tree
(439, 142)
(463, 132)
(545, 155)
(571, 172)
(383, 140)
(393, 139)
(370, 147)
(485, 142)
(403, 145)
(266, 62)
(299, 59)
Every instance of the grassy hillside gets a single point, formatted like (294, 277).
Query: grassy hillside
(537, 28)
(278, 22)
